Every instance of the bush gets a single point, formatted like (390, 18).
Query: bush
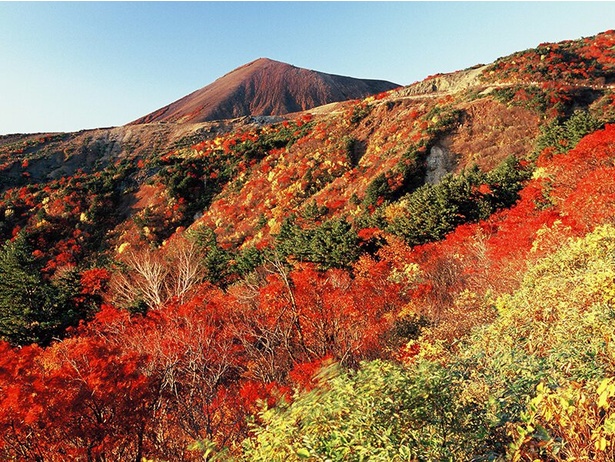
(33, 310)
(332, 244)
(377, 190)
(432, 211)
(576, 422)
(382, 412)
(563, 135)
(360, 112)
(556, 329)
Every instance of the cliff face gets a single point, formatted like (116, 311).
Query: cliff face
(264, 87)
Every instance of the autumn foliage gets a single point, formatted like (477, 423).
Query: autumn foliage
(302, 290)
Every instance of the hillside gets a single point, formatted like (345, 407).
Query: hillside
(426, 273)
(262, 88)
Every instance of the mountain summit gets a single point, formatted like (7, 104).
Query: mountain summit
(265, 87)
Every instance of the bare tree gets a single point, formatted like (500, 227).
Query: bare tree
(186, 268)
(155, 276)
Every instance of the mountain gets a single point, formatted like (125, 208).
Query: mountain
(265, 87)
(427, 272)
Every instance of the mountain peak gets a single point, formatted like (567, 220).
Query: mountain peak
(264, 87)
(265, 60)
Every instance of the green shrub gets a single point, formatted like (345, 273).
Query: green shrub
(33, 310)
(332, 244)
(360, 112)
(432, 211)
(382, 412)
(563, 135)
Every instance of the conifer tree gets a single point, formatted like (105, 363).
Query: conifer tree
(32, 310)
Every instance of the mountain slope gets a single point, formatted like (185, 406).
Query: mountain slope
(458, 232)
(264, 87)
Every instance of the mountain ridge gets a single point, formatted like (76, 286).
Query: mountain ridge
(264, 87)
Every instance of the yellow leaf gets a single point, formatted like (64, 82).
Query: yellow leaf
(601, 443)
(603, 400)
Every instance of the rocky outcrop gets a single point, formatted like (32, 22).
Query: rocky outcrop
(446, 83)
(440, 161)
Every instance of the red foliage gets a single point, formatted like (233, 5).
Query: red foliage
(99, 413)
(366, 234)
(94, 281)
(305, 374)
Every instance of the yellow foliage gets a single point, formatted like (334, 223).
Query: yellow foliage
(395, 210)
(436, 350)
(122, 248)
(576, 422)
(540, 172)
(274, 225)
(550, 238)
(294, 188)
(562, 299)
(559, 327)
(410, 274)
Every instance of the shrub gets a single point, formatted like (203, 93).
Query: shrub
(556, 329)
(576, 422)
(332, 244)
(432, 211)
(563, 135)
(382, 412)
(33, 310)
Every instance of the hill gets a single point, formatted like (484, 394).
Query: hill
(262, 88)
(422, 274)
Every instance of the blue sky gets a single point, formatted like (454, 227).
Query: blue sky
(78, 65)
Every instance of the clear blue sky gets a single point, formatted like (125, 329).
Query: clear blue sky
(70, 66)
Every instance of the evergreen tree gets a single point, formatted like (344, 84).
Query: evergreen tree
(332, 244)
(215, 259)
(32, 310)
(432, 211)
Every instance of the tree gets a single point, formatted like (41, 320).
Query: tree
(141, 280)
(294, 317)
(214, 258)
(32, 309)
(432, 211)
(148, 278)
(377, 191)
(332, 244)
(563, 135)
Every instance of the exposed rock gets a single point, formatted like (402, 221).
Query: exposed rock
(440, 161)
(263, 88)
(448, 83)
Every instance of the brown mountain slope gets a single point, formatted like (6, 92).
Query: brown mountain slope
(264, 87)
